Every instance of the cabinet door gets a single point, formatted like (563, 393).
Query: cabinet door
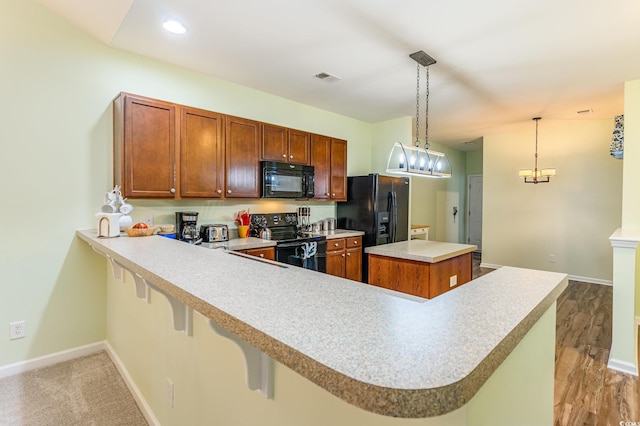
(242, 142)
(335, 263)
(201, 154)
(274, 143)
(299, 147)
(353, 264)
(145, 147)
(338, 170)
(321, 161)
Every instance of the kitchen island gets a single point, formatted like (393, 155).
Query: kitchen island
(420, 268)
(486, 356)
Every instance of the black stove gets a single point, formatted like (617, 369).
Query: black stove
(284, 227)
(293, 246)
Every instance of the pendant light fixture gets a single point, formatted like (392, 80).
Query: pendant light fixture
(415, 160)
(536, 176)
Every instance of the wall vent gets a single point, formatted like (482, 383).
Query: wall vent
(325, 76)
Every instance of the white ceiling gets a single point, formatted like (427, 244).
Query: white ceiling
(499, 61)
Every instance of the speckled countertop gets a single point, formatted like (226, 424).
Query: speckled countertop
(372, 347)
(421, 250)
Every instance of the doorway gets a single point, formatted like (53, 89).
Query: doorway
(474, 210)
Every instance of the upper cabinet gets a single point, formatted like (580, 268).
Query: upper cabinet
(201, 153)
(329, 159)
(285, 145)
(242, 165)
(171, 151)
(145, 133)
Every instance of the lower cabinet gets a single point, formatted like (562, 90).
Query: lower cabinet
(417, 278)
(264, 253)
(344, 257)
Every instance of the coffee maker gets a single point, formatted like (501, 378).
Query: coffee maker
(186, 226)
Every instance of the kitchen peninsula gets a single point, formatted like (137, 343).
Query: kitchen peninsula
(420, 268)
(483, 354)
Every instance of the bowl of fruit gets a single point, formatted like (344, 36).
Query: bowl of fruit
(140, 229)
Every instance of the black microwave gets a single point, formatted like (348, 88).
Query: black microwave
(284, 180)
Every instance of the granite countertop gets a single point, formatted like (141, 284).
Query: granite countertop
(338, 233)
(421, 250)
(368, 346)
(253, 243)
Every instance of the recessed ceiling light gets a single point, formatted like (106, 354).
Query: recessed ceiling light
(174, 27)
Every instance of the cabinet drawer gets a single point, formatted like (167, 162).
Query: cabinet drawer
(335, 244)
(353, 242)
(265, 253)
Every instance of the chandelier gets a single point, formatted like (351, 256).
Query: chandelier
(536, 176)
(414, 160)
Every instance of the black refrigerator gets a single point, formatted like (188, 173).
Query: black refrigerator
(378, 206)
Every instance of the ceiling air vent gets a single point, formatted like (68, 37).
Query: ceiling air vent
(325, 76)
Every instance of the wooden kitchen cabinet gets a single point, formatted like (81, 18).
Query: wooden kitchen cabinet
(144, 158)
(329, 159)
(201, 153)
(285, 145)
(264, 253)
(344, 258)
(421, 279)
(242, 153)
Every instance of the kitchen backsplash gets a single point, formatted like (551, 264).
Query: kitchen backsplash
(163, 211)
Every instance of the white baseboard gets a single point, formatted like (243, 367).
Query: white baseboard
(144, 407)
(43, 361)
(571, 277)
(622, 366)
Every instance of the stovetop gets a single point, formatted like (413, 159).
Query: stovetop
(283, 226)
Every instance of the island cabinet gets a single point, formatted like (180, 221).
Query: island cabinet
(264, 253)
(285, 145)
(145, 134)
(344, 258)
(242, 165)
(419, 278)
(329, 159)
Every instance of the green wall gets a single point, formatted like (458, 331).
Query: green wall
(57, 85)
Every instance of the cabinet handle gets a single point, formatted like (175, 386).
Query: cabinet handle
(355, 243)
(284, 155)
(261, 255)
(335, 244)
(291, 156)
(342, 255)
(349, 254)
(327, 194)
(219, 191)
(172, 190)
(228, 191)
(333, 195)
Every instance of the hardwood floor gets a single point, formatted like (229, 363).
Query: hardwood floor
(587, 392)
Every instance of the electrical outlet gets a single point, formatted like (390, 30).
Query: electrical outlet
(453, 281)
(148, 219)
(16, 330)
(169, 392)
(552, 258)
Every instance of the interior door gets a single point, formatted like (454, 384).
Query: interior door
(474, 201)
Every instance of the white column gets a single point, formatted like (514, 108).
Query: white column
(623, 356)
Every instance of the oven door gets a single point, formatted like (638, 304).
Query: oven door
(309, 254)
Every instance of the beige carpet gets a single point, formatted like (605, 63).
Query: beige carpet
(84, 391)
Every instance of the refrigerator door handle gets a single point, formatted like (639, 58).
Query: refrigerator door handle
(393, 219)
